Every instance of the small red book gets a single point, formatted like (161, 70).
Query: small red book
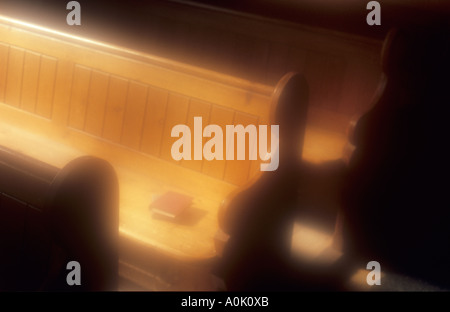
(171, 204)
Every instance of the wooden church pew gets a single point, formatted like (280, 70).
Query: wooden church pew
(50, 217)
(62, 97)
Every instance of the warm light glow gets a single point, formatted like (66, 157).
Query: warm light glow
(308, 242)
(321, 145)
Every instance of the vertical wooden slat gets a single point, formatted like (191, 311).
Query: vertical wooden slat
(177, 108)
(4, 53)
(134, 115)
(155, 115)
(196, 109)
(14, 76)
(237, 171)
(115, 108)
(30, 81)
(63, 87)
(98, 92)
(220, 116)
(46, 86)
(79, 96)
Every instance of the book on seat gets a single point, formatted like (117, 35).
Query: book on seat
(171, 204)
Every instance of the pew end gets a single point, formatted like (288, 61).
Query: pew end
(50, 217)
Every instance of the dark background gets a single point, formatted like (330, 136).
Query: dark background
(130, 16)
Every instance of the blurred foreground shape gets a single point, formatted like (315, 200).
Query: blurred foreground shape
(50, 217)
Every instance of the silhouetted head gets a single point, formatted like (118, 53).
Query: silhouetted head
(415, 55)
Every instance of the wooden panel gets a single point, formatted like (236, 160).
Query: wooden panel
(277, 64)
(155, 115)
(226, 94)
(296, 59)
(79, 97)
(63, 87)
(14, 76)
(197, 37)
(30, 81)
(4, 51)
(98, 92)
(177, 108)
(314, 69)
(196, 109)
(46, 86)
(223, 54)
(115, 109)
(250, 57)
(220, 116)
(224, 48)
(134, 115)
(332, 81)
(237, 171)
(211, 42)
(165, 74)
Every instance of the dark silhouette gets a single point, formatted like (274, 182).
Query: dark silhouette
(260, 217)
(49, 217)
(391, 194)
(394, 198)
